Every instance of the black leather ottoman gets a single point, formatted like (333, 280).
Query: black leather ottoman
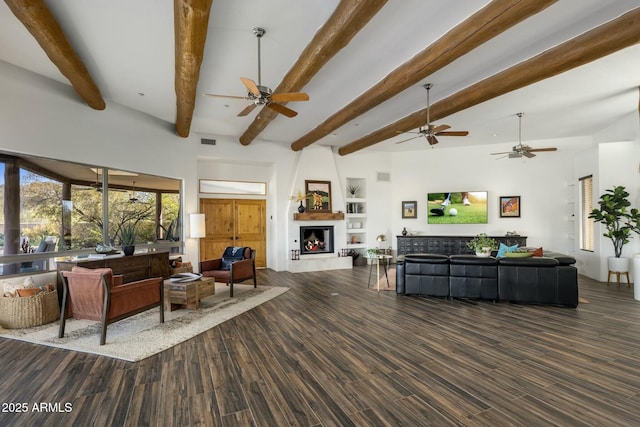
(423, 274)
(473, 277)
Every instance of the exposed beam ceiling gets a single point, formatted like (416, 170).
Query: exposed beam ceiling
(191, 20)
(495, 18)
(363, 64)
(345, 22)
(597, 43)
(39, 21)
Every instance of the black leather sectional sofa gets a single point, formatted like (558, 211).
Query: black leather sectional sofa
(551, 279)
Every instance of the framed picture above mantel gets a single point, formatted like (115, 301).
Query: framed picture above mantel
(318, 196)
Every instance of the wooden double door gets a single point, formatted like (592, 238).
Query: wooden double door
(234, 222)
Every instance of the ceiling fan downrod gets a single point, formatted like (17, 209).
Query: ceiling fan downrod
(259, 32)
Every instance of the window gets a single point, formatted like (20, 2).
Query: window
(586, 205)
(56, 206)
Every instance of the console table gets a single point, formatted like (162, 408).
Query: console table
(447, 245)
(132, 268)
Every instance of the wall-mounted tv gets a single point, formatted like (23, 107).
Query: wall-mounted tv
(464, 207)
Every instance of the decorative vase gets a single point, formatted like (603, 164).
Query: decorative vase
(301, 208)
(404, 231)
(128, 249)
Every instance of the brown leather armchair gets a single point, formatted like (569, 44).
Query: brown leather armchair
(96, 294)
(237, 264)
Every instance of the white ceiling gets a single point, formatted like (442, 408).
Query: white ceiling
(128, 48)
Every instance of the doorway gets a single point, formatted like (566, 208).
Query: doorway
(234, 222)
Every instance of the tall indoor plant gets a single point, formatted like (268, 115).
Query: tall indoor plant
(619, 220)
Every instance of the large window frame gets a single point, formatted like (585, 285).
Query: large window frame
(65, 178)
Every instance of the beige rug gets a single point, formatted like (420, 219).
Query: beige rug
(391, 273)
(141, 336)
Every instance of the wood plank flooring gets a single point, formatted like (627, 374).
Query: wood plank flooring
(330, 352)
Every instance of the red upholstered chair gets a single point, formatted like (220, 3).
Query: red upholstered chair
(237, 264)
(96, 294)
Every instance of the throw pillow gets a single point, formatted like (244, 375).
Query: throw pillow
(538, 252)
(27, 292)
(504, 249)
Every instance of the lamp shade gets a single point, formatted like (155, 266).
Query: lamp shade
(196, 226)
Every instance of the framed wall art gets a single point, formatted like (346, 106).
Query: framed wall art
(510, 207)
(318, 195)
(410, 209)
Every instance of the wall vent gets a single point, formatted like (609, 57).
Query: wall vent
(384, 176)
(206, 141)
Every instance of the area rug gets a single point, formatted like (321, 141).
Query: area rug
(391, 286)
(141, 336)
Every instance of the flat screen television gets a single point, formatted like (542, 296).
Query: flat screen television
(464, 207)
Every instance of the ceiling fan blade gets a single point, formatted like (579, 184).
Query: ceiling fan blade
(282, 109)
(543, 149)
(504, 152)
(408, 139)
(247, 110)
(432, 140)
(439, 128)
(251, 86)
(291, 96)
(453, 133)
(528, 154)
(226, 96)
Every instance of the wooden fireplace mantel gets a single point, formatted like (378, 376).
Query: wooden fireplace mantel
(318, 216)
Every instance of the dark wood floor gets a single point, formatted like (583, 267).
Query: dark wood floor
(332, 353)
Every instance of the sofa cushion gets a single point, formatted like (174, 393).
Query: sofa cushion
(503, 249)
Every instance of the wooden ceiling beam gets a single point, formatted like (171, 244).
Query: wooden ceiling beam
(604, 40)
(349, 17)
(191, 21)
(488, 22)
(42, 25)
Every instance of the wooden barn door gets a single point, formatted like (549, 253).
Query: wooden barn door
(234, 222)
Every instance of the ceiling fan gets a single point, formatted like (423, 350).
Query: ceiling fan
(430, 131)
(262, 95)
(521, 150)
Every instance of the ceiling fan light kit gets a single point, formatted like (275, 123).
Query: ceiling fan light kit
(263, 95)
(430, 131)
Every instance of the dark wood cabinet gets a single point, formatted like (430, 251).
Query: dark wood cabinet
(447, 245)
(132, 268)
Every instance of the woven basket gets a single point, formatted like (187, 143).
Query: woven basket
(26, 312)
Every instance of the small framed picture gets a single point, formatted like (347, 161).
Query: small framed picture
(318, 196)
(410, 209)
(510, 207)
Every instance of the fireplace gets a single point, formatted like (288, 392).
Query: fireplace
(316, 240)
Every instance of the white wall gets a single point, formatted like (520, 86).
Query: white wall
(541, 182)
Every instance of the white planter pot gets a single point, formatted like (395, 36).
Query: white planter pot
(620, 265)
(485, 252)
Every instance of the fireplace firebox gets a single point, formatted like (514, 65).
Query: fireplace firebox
(316, 239)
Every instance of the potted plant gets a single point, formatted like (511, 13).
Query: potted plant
(128, 238)
(619, 221)
(300, 197)
(482, 245)
(352, 189)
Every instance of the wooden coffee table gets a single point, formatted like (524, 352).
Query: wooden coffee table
(188, 295)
